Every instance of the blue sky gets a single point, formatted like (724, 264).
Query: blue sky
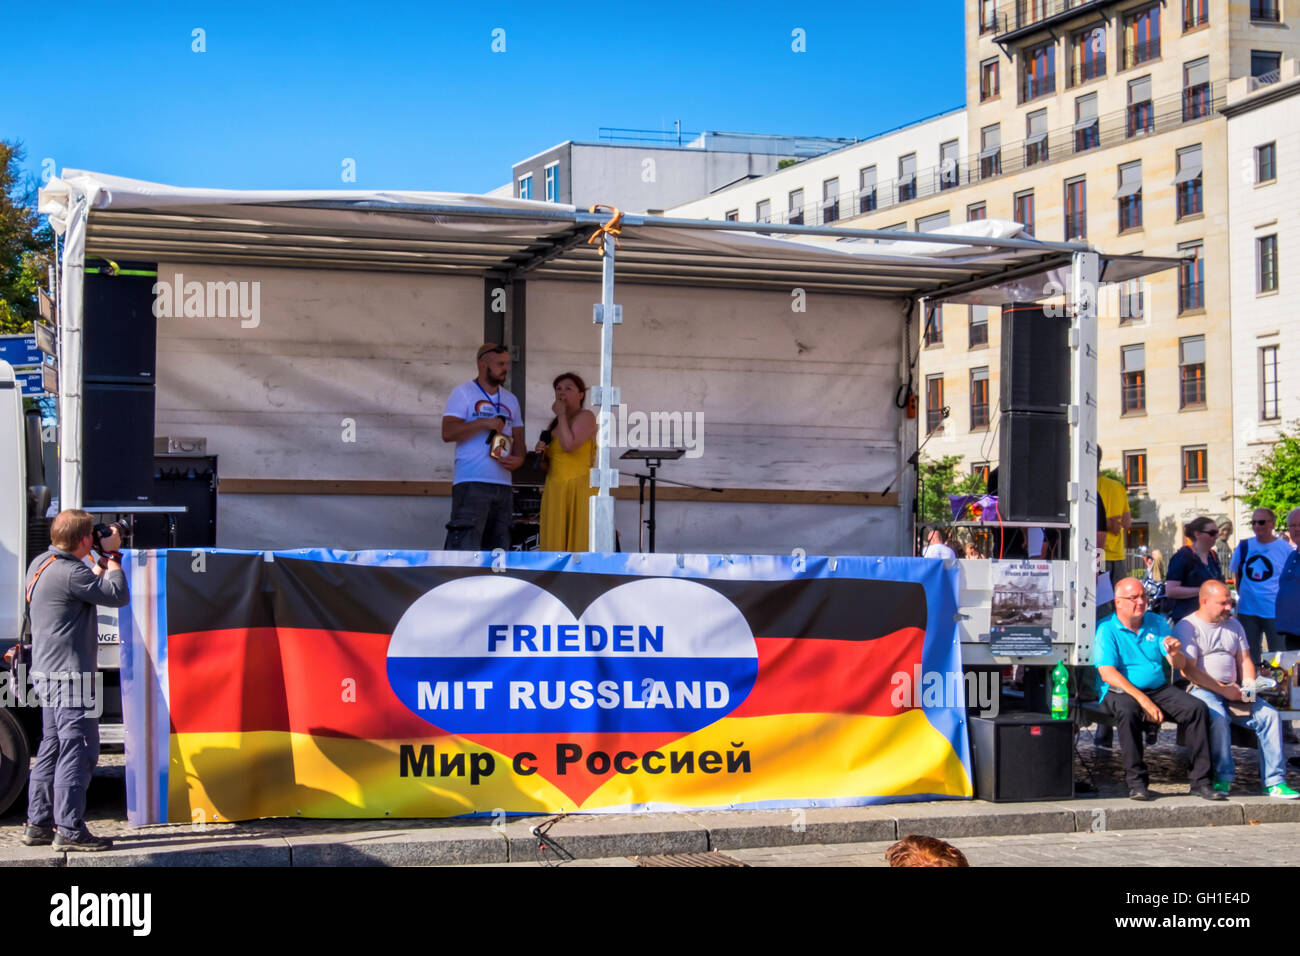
(413, 92)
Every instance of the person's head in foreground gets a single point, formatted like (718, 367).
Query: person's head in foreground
(916, 850)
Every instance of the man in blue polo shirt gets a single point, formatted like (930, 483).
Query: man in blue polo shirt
(1130, 649)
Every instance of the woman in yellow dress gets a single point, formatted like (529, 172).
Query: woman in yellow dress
(567, 458)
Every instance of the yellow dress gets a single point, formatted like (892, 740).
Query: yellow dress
(565, 509)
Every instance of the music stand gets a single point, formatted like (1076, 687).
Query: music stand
(653, 458)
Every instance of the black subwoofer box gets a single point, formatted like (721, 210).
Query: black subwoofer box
(1022, 757)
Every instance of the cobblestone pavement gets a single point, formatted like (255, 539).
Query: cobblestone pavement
(1268, 844)
(106, 810)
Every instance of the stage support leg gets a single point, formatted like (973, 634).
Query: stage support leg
(1083, 456)
(604, 398)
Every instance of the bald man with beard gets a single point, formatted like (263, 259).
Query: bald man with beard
(1218, 662)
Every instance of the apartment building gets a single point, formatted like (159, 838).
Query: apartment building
(1264, 260)
(1099, 120)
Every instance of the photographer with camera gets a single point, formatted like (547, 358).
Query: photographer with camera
(62, 592)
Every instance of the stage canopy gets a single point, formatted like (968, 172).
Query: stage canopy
(987, 262)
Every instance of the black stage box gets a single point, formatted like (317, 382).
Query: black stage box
(1022, 757)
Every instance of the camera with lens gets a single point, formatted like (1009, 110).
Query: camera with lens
(103, 531)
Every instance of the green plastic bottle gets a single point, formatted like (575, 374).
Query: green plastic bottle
(1060, 692)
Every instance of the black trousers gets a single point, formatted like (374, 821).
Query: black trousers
(1180, 707)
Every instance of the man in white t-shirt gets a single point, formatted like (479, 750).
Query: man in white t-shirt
(1257, 565)
(936, 547)
(480, 417)
(1217, 664)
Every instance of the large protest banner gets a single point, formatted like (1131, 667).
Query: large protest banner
(432, 684)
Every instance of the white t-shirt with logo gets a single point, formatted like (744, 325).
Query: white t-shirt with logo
(470, 402)
(1257, 578)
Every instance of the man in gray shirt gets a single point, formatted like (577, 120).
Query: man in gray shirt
(62, 592)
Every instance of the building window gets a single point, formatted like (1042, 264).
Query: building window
(933, 325)
(1195, 13)
(1130, 196)
(949, 168)
(1191, 277)
(1133, 379)
(553, 182)
(1188, 182)
(866, 189)
(1087, 55)
(831, 199)
(1265, 68)
(1036, 137)
(979, 397)
(763, 211)
(1087, 130)
(1132, 301)
(1268, 407)
(940, 220)
(1266, 264)
(1266, 163)
(981, 468)
(795, 214)
(1141, 36)
(1196, 89)
(1195, 474)
(1138, 536)
(987, 16)
(1024, 210)
(1266, 10)
(1191, 372)
(1135, 469)
(907, 177)
(1076, 208)
(1141, 112)
(1039, 65)
(989, 86)
(979, 326)
(731, 215)
(990, 151)
(933, 403)
(526, 187)
(976, 210)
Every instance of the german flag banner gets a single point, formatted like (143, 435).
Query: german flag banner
(434, 684)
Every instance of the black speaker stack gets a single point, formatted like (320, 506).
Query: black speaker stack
(1022, 757)
(1034, 434)
(119, 338)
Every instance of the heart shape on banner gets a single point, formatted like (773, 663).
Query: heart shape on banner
(496, 659)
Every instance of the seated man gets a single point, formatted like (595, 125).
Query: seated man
(1218, 662)
(1129, 649)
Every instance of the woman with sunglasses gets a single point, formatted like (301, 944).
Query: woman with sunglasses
(1192, 566)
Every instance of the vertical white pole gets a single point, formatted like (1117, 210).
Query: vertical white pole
(601, 523)
(1082, 570)
(71, 320)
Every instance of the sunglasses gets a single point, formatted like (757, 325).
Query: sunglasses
(1212, 532)
(1264, 521)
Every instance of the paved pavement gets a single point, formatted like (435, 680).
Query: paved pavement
(823, 834)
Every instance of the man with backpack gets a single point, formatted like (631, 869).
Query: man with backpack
(1257, 565)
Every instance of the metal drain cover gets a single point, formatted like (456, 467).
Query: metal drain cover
(688, 859)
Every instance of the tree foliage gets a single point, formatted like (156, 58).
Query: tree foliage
(1276, 482)
(939, 479)
(26, 247)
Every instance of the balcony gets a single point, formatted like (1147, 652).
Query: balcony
(1036, 150)
(1111, 129)
(1032, 87)
(1141, 119)
(1081, 73)
(1135, 53)
(1196, 102)
(830, 211)
(1023, 17)
(1191, 296)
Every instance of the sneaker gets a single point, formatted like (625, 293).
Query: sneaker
(1223, 786)
(85, 840)
(37, 836)
(1141, 794)
(1207, 792)
(1282, 792)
